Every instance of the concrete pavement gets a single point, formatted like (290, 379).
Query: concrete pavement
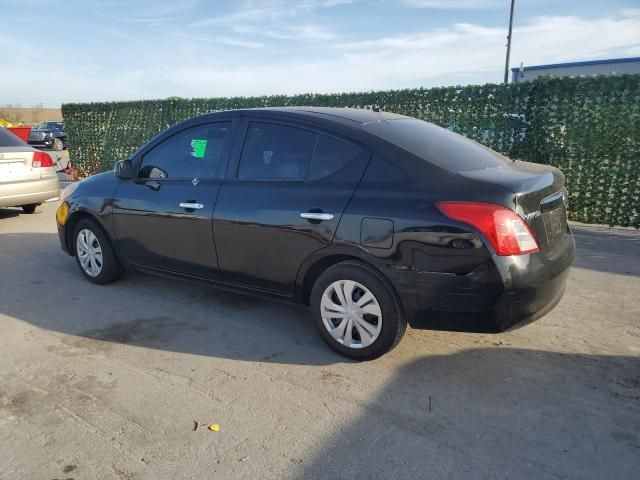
(106, 382)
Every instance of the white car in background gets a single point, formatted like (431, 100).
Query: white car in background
(28, 176)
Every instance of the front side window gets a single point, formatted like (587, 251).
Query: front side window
(193, 152)
(276, 152)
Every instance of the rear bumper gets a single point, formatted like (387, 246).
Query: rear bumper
(42, 144)
(494, 297)
(27, 192)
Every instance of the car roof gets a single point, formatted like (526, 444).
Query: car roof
(353, 116)
(357, 115)
(350, 119)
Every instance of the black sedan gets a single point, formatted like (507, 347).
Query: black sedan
(373, 219)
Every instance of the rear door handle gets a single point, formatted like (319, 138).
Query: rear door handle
(191, 205)
(317, 216)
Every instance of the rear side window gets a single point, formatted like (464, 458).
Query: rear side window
(331, 155)
(8, 139)
(193, 152)
(437, 145)
(276, 152)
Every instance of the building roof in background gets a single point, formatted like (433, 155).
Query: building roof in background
(578, 64)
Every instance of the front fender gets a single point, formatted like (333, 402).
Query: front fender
(94, 198)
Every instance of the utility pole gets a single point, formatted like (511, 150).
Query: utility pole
(506, 63)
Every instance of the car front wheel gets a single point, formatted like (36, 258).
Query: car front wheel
(357, 311)
(94, 254)
(58, 145)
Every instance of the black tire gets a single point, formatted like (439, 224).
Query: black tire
(111, 268)
(393, 319)
(57, 145)
(34, 208)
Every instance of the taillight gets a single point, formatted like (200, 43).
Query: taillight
(504, 228)
(41, 159)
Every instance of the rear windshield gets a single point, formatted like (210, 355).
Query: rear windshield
(437, 145)
(8, 139)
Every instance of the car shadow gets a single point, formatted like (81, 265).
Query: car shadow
(9, 212)
(492, 413)
(42, 286)
(46, 289)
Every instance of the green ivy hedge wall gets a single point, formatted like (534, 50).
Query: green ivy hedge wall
(588, 127)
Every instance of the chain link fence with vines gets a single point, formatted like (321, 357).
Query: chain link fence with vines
(589, 127)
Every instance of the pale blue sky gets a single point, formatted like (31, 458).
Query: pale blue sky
(81, 50)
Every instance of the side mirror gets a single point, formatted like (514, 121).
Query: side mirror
(124, 169)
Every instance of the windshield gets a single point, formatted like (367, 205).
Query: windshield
(50, 125)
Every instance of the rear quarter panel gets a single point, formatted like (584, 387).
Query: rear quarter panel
(404, 190)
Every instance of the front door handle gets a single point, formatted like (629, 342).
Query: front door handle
(317, 216)
(191, 205)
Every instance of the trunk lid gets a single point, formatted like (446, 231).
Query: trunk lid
(16, 165)
(539, 196)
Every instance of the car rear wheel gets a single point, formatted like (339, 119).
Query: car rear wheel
(94, 253)
(58, 145)
(357, 311)
(34, 208)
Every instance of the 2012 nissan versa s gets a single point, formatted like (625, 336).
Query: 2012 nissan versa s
(373, 219)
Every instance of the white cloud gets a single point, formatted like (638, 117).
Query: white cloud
(459, 54)
(126, 36)
(313, 4)
(473, 49)
(288, 32)
(221, 40)
(142, 12)
(279, 19)
(448, 4)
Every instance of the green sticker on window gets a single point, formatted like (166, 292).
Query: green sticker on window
(199, 146)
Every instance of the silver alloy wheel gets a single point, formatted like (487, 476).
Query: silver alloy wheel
(351, 314)
(89, 252)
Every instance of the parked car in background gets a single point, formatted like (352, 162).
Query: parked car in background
(372, 219)
(28, 176)
(49, 135)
